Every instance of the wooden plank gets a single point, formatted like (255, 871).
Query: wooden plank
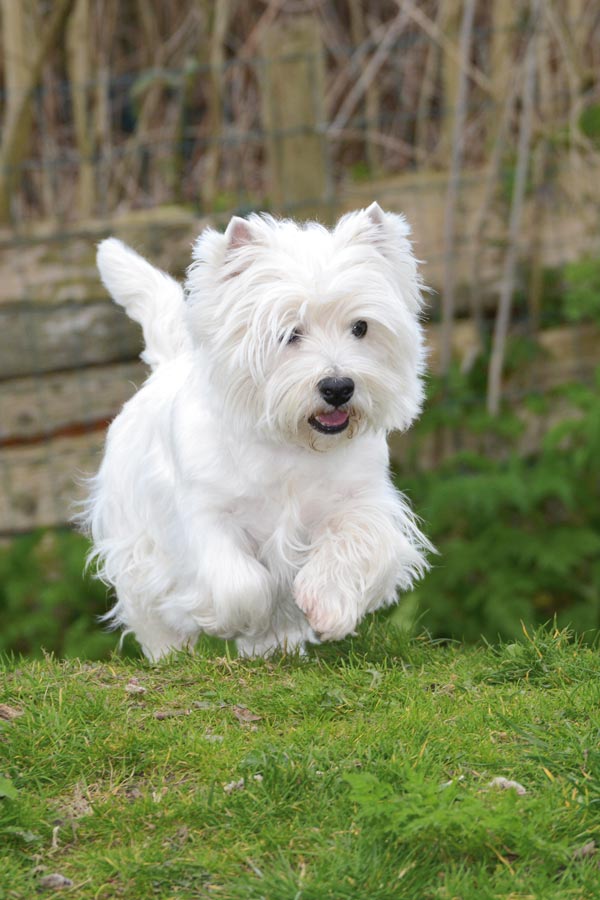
(44, 266)
(39, 484)
(55, 313)
(465, 343)
(427, 452)
(568, 353)
(38, 339)
(35, 408)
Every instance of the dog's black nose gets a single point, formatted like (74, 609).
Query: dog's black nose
(336, 390)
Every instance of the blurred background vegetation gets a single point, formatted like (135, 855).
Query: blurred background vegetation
(480, 121)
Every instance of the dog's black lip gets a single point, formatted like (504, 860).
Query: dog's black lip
(328, 429)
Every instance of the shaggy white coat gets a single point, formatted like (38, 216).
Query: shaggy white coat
(218, 507)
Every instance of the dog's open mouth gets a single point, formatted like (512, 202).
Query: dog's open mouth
(330, 422)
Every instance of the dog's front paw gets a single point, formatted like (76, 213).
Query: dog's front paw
(331, 615)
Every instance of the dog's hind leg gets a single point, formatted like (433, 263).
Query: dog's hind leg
(268, 644)
(156, 636)
(289, 633)
(158, 640)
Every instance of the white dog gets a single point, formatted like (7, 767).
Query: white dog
(244, 490)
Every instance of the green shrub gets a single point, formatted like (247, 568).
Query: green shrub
(581, 299)
(518, 540)
(589, 122)
(46, 600)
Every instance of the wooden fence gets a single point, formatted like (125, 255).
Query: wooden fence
(68, 356)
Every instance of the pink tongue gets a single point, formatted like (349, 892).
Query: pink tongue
(337, 417)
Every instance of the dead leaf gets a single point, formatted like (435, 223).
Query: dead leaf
(171, 713)
(134, 687)
(244, 716)
(588, 849)
(55, 882)
(28, 837)
(76, 805)
(507, 785)
(446, 784)
(446, 689)
(234, 786)
(9, 712)
(208, 704)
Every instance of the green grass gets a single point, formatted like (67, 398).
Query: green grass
(366, 768)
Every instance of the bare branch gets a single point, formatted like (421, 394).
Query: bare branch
(458, 135)
(516, 212)
(433, 31)
(369, 73)
(480, 219)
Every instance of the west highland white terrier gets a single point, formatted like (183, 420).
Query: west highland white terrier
(245, 490)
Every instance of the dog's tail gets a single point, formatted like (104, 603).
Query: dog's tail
(148, 296)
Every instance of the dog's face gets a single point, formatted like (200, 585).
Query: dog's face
(313, 336)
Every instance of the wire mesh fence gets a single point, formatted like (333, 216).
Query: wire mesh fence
(152, 125)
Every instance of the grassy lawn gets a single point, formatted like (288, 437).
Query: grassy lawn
(362, 771)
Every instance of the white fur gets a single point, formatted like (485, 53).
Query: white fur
(217, 507)
(149, 296)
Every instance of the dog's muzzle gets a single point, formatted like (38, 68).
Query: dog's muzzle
(336, 392)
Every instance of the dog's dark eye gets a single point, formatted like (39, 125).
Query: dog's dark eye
(359, 329)
(294, 336)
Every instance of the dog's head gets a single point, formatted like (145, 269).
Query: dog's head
(313, 336)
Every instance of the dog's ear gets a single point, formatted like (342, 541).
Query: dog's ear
(239, 234)
(388, 233)
(241, 242)
(375, 213)
(385, 230)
